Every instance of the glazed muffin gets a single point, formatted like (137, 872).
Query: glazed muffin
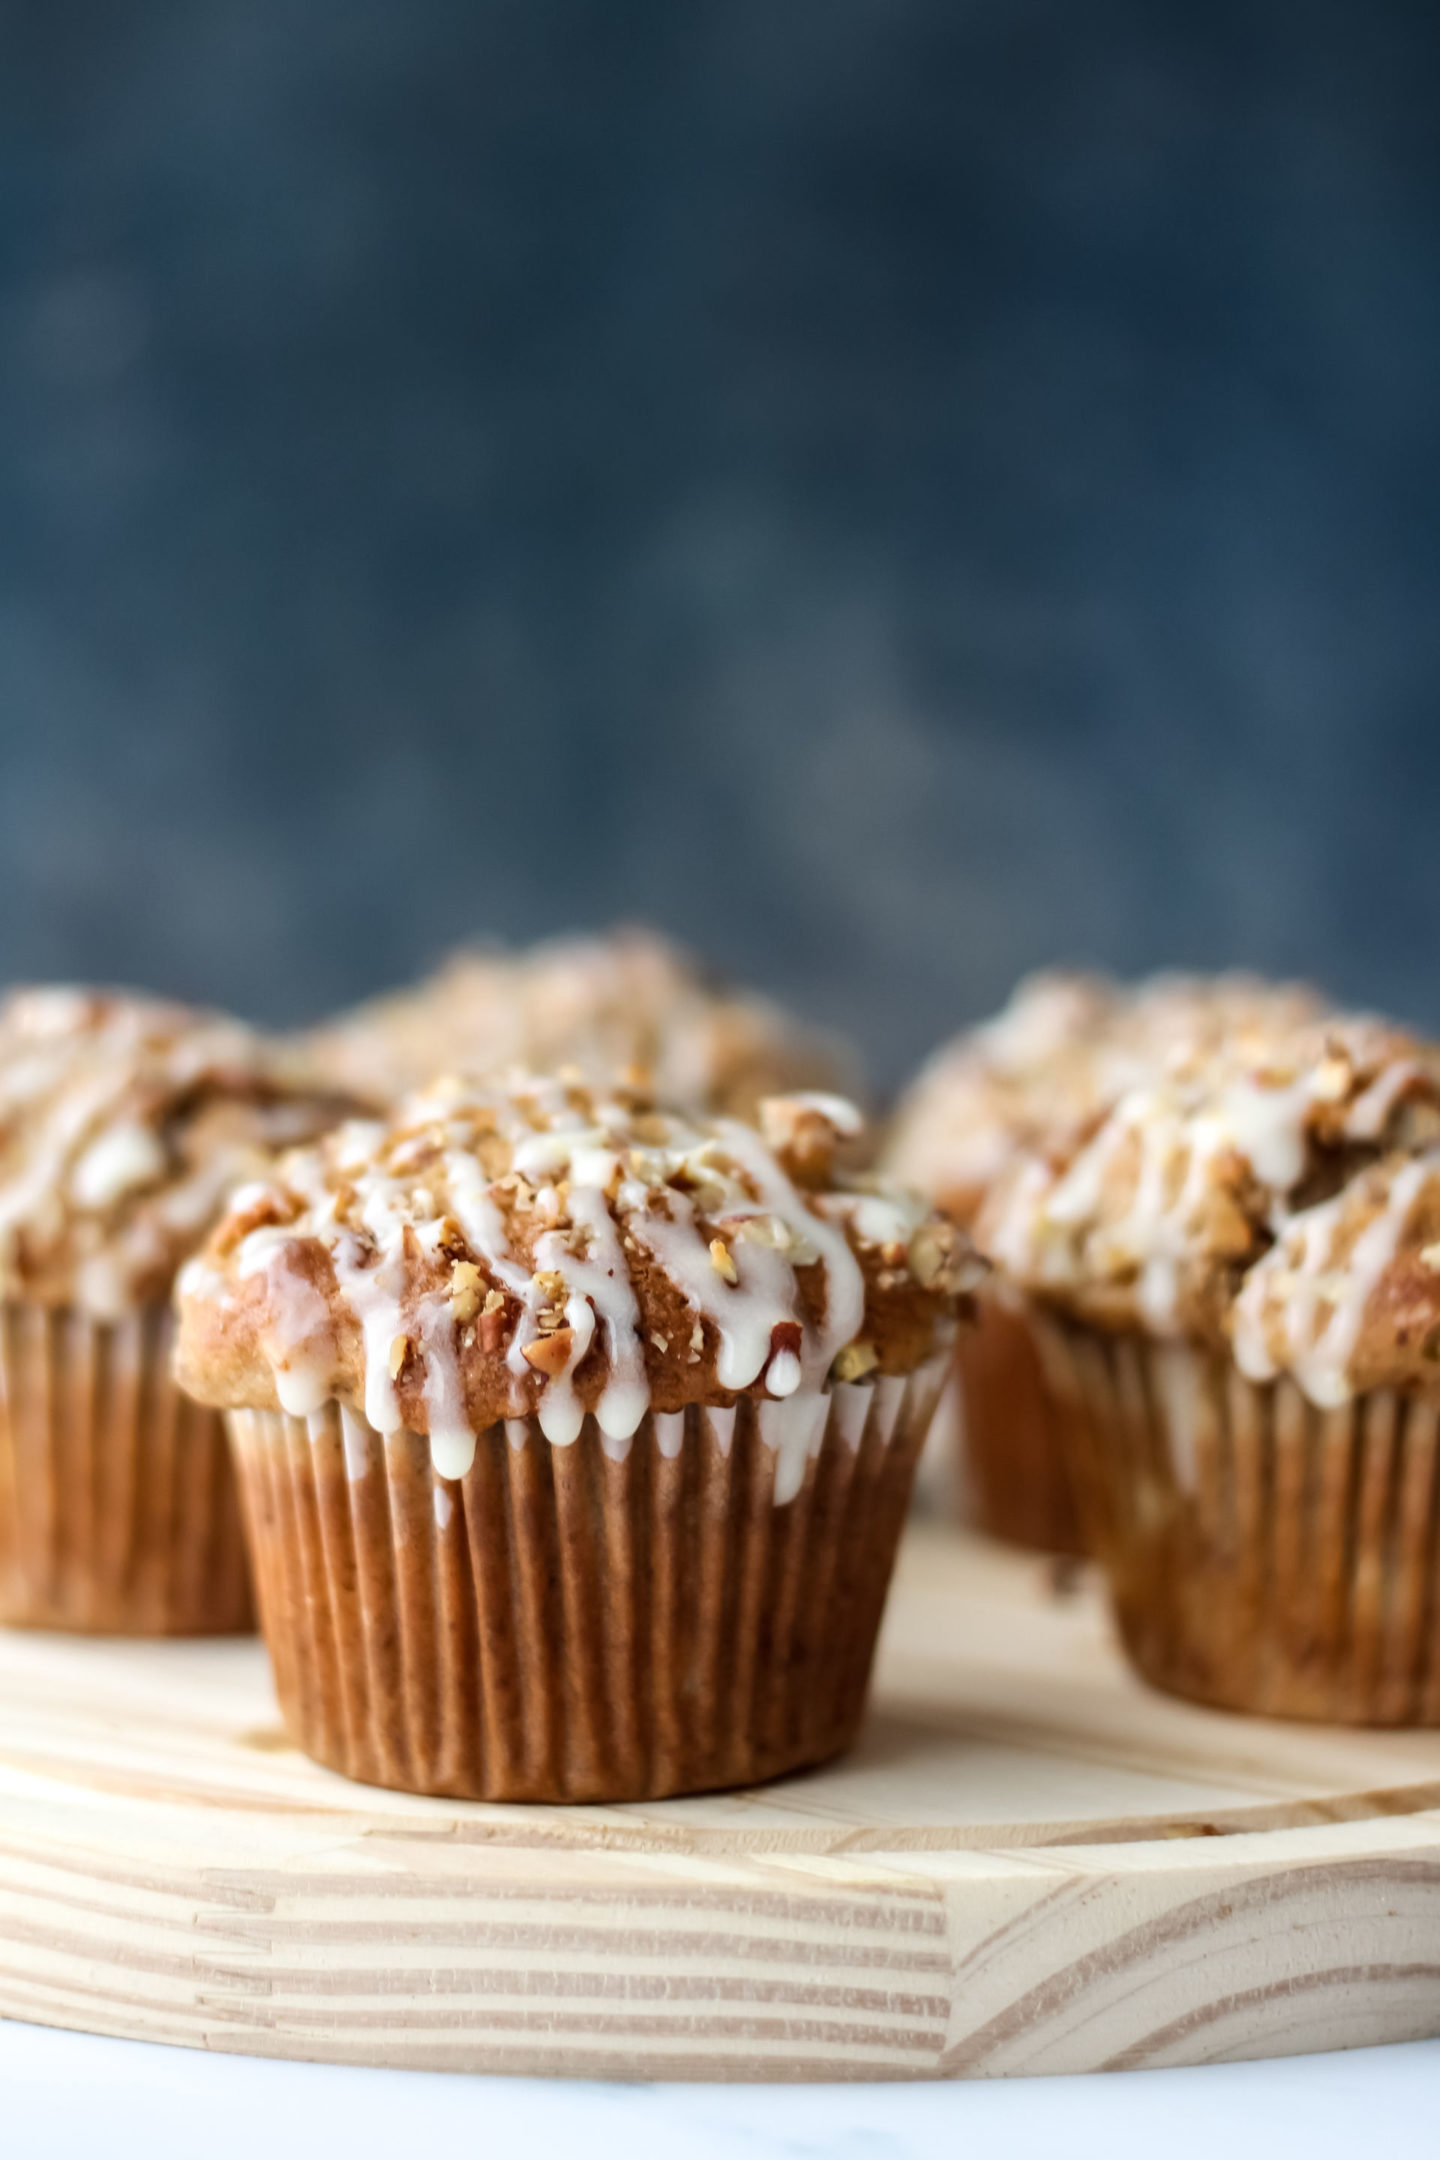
(124, 1121)
(1231, 1281)
(627, 1002)
(1065, 1049)
(575, 1435)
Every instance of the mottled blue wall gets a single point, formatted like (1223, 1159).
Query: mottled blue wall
(896, 489)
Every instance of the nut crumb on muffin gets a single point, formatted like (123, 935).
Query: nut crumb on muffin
(587, 1222)
(627, 1002)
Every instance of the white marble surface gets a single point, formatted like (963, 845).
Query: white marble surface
(66, 2096)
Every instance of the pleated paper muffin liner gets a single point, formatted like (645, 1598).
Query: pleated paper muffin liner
(119, 1513)
(1014, 1480)
(1263, 1554)
(564, 1623)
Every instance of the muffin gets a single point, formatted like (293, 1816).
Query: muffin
(1232, 1278)
(625, 1002)
(1064, 1050)
(123, 1123)
(575, 1434)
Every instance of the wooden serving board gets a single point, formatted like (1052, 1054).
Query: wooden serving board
(1030, 1864)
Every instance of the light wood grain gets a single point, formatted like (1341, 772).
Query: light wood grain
(1029, 1864)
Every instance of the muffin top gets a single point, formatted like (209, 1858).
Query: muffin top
(124, 1122)
(1065, 1049)
(542, 1246)
(1155, 1216)
(628, 1002)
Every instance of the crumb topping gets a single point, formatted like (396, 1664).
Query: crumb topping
(625, 1003)
(124, 1122)
(537, 1245)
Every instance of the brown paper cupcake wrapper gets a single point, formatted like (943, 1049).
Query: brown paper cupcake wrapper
(1013, 1476)
(118, 1508)
(563, 1625)
(1263, 1554)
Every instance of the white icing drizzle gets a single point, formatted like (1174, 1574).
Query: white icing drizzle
(877, 1218)
(1312, 1300)
(744, 1314)
(1370, 1112)
(706, 1199)
(481, 1221)
(297, 1341)
(844, 1282)
(1267, 1126)
(373, 1293)
(839, 1113)
(452, 1439)
(1150, 1238)
(1065, 1229)
(124, 1158)
(602, 1280)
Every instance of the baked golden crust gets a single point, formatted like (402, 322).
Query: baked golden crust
(628, 1002)
(539, 1246)
(1064, 1050)
(124, 1121)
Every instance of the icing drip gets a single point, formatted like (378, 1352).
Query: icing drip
(1370, 1112)
(1267, 1126)
(482, 1222)
(844, 1282)
(603, 1279)
(744, 1314)
(452, 1440)
(297, 1341)
(841, 1115)
(121, 1160)
(374, 1298)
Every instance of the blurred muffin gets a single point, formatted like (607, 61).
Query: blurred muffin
(575, 1435)
(628, 1003)
(1065, 1048)
(1232, 1276)
(123, 1123)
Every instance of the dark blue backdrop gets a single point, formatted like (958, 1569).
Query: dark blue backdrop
(895, 489)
